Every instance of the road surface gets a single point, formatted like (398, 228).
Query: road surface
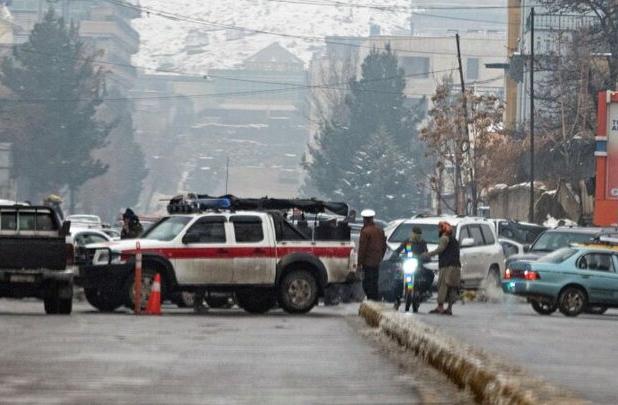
(221, 357)
(576, 353)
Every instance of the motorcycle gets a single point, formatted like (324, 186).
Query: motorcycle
(416, 284)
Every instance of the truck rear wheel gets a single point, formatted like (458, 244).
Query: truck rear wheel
(298, 292)
(54, 303)
(256, 300)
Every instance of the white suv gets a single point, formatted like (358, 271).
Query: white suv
(482, 256)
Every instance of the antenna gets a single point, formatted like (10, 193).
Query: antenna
(227, 173)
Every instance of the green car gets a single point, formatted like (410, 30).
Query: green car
(572, 279)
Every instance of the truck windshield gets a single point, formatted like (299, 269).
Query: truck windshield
(550, 241)
(167, 228)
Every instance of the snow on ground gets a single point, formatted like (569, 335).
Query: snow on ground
(194, 47)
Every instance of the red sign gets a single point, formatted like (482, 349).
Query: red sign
(612, 152)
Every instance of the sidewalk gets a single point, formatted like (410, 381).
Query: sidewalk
(576, 353)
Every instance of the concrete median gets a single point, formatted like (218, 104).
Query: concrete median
(489, 378)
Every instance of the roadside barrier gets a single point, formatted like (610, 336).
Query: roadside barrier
(489, 378)
(154, 300)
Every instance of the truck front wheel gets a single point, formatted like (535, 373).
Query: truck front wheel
(298, 292)
(58, 299)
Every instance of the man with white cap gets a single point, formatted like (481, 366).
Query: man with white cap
(371, 249)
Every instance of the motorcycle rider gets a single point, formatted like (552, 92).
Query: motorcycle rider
(417, 246)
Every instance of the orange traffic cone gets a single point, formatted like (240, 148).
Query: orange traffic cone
(154, 300)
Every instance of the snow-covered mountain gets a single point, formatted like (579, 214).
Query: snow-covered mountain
(195, 46)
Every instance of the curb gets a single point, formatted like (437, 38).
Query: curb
(490, 379)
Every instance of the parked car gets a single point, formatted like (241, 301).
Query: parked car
(554, 239)
(521, 232)
(85, 221)
(511, 247)
(482, 257)
(573, 279)
(81, 237)
(36, 257)
(257, 255)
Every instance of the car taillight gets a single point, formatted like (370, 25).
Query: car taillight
(531, 275)
(507, 274)
(70, 254)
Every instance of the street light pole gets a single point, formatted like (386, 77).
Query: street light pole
(531, 208)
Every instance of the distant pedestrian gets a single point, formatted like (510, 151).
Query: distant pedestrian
(131, 227)
(449, 265)
(371, 249)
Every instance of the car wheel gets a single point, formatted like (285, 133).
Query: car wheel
(102, 300)
(65, 306)
(298, 292)
(129, 289)
(256, 300)
(544, 308)
(572, 301)
(596, 309)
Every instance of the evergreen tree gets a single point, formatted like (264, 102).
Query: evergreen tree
(342, 162)
(383, 177)
(52, 75)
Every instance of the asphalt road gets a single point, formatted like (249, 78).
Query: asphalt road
(221, 357)
(576, 353)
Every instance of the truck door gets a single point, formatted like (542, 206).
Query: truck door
(253, 251)
(206, 258)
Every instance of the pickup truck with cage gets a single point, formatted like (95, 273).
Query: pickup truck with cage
(245, 247)
(36, 258)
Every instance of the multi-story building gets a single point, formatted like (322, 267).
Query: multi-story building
(106, 26)
(552, 33)
(246, 125)
(433, 18)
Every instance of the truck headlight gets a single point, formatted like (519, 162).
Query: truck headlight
(102, 256)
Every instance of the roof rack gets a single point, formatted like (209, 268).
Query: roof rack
(195, 203)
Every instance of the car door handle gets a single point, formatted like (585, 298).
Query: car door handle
(259, 251)
(585, 276)
(223, 251)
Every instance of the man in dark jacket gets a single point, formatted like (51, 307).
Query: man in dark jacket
(371, 249)
(131, 227)
(449, 279)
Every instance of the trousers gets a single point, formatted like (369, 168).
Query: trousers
(370, 282)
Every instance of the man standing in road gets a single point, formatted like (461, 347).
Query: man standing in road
(449, 265)
(371, 249)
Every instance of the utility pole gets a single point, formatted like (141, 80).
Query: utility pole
(531, 208)
(467, 133)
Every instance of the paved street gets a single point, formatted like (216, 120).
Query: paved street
(577, 353)
(219, 357)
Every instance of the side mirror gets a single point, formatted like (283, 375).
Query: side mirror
(191, 237)
(467, 242)
(526, 248)
(65, 230)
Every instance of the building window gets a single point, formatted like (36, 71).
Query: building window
(472, 68)
(415, 66)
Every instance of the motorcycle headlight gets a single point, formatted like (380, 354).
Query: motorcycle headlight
(410, 266)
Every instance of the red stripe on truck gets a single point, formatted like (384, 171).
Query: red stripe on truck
(245, 252)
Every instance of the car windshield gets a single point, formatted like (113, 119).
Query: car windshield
(558, 256)
(550, 241)
(403, 231)
(167, 228)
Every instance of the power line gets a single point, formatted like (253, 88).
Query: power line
(327, 40)
(394, 7)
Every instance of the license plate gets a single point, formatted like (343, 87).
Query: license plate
(22, 278)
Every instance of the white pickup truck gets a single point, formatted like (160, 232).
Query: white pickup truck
(257, 255)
